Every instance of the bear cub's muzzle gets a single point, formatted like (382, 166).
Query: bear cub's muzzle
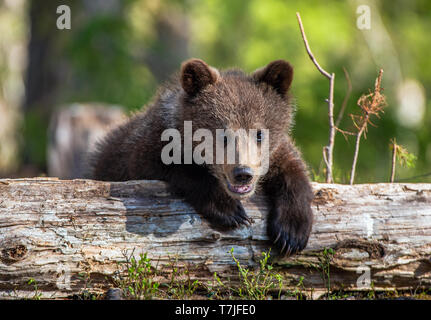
(242, 178)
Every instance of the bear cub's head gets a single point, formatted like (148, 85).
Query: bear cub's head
(247, 114)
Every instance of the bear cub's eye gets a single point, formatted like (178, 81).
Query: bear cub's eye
(259, 136)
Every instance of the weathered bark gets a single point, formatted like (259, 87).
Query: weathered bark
(52, 230)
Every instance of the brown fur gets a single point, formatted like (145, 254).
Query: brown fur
(219, 100)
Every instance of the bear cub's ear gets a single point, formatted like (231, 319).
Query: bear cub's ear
(277, 74)
(196, 75)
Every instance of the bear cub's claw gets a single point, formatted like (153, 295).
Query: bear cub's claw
(288, 234)
(231, 217)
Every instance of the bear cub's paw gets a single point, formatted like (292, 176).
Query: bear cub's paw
(289, 228)
(227, 215)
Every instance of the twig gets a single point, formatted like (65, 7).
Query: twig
(370, 104)
(344, 132)
(404, 157)
(394, 159)
(325, 159)
(328, 150)
(355, 156)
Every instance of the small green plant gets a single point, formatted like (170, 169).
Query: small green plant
(317, 176)
(139, 282)
(181, 285)
(325, 259)
(86, 293)
(253, 285)
(298, 293)
(257, 285)
(217, 289)
(424, 294)
(371, 293)
(37, 295)
(400, 153)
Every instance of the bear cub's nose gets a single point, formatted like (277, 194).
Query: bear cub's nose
(242, 175)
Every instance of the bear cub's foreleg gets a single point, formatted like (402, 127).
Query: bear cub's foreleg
(290, 194)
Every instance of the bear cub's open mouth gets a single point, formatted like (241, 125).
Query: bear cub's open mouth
(240, 189)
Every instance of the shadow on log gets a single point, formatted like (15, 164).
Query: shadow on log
(53, 230)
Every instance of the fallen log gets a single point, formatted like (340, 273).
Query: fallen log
(52, 231)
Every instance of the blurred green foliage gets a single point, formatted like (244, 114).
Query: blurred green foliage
(107, 54)
(103, 66)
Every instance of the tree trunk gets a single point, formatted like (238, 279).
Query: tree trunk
(12, 65)
(74, 130)
(54, 231)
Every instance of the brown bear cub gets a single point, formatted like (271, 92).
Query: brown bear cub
(230, 100)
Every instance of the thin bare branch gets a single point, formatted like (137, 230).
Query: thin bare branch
(355, 156)
(345, 133)
(370, 104)
(394, 158)
(307, 47)
(328, 150)
(325, 157)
